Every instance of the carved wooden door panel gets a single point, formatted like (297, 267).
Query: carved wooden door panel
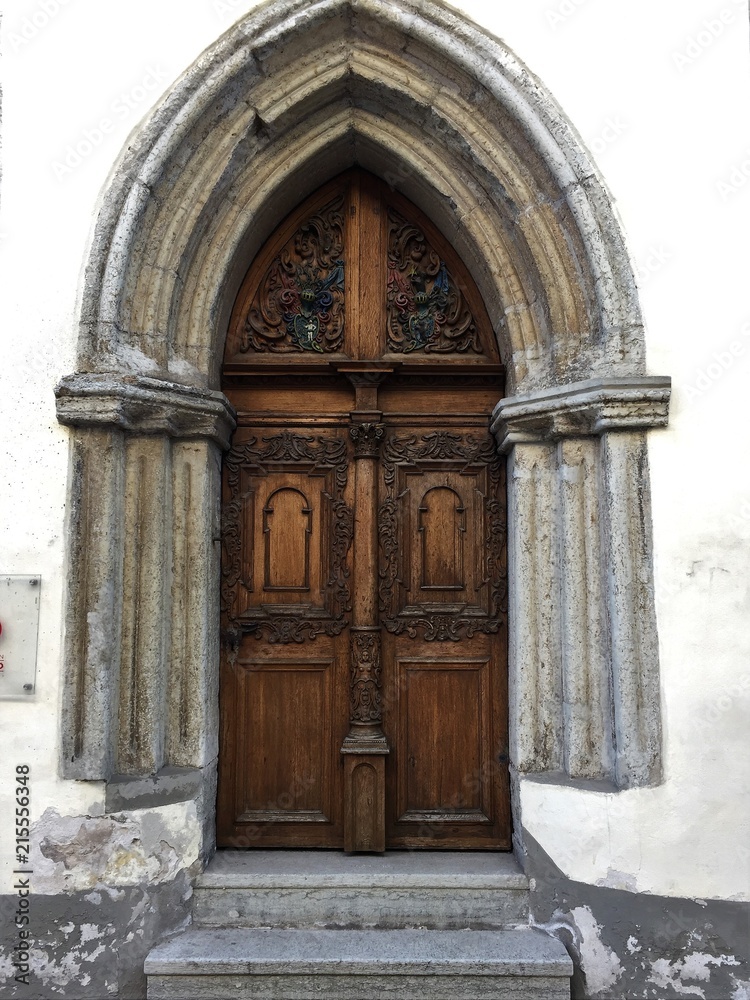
(363, 671)
(287, 529)
(442, 599)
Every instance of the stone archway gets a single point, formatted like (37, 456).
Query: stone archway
(290, 96)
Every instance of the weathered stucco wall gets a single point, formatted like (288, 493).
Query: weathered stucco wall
(658, 93)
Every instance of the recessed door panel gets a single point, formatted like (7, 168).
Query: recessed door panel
(284, 781)
(443, 739)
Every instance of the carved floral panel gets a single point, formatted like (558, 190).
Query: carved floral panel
(427, 310)
(299, 304)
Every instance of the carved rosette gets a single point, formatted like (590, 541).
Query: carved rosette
(365, 681)
(367, 438)
(299, 305)
(319, 455)
(427, 311)
(465, 452)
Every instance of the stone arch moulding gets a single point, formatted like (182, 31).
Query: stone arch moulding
(287, 98)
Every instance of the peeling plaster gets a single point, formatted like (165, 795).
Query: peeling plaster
(600, 965)
(626, 945)
(619, 880)
(90, 932)
(78, 853)
(695, 966)
(55, 972)
(104, 957)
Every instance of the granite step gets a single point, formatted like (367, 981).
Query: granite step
(206, 963)
(286, 889)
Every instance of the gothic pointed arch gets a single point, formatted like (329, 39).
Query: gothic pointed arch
(444, 113)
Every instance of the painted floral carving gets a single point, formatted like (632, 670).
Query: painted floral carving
(426, 309)
(299, 305)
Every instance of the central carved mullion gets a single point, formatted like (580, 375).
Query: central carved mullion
(366, 716)
(365, 747)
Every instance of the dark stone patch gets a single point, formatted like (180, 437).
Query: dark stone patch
(170, 785)
(110, 966)
(660, 927)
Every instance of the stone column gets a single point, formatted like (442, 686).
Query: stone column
(626, 523)
(142, 622)
(587, 750)
(93, 616)
(535, 683)
(192, 718)
(146, 582)
(584, 673)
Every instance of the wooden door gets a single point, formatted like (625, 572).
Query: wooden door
(363, 674)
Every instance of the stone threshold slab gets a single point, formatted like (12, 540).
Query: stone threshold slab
(402, 869)
(250, 952)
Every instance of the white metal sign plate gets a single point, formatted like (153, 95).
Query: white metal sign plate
(19, 626)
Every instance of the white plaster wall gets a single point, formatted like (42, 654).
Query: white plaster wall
(659, 92)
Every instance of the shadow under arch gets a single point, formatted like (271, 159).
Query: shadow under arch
(290, 96)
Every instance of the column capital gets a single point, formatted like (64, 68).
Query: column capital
(367, 437)
(142, 405)
(582, 409)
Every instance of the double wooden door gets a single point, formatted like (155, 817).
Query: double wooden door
(363, 673)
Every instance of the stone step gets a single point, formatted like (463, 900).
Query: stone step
(211, 964)
(438, 890)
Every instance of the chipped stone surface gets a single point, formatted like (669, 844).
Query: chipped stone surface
(104, 890)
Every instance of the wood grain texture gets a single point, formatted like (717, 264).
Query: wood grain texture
(364, 665)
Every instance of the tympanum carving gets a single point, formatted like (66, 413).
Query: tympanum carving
(299, 304)
(427, 310)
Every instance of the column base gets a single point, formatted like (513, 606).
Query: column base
(364, 793)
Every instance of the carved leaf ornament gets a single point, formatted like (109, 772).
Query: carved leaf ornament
(299, 305)
(426, 309)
